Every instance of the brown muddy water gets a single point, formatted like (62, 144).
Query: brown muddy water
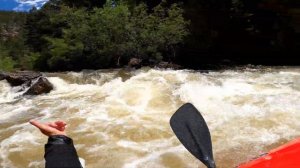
(120, 119)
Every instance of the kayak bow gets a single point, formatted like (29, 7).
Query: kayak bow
(285, 156)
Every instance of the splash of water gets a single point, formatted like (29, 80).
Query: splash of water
(120, 119)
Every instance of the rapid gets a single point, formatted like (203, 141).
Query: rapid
(120, 119)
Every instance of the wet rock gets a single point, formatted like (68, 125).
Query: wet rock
(39, 86)
(24, 86)
(167, 65)
(135, 63)
(33, 83)
(2, 76)
(19, 78)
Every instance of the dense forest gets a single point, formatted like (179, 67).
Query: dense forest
(11, 39)
(91, 34)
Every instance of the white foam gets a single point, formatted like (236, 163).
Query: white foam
(18, 110)
(7, 93)
(253, 108)
(289, 73)
(82, 161)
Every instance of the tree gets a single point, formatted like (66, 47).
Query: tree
(12, 47)
(90, 4)
(6, 62)
(107, 37)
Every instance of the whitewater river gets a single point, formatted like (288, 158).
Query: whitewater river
(120, 119)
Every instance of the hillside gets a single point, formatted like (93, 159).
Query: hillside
(11, 38)
(11, 24)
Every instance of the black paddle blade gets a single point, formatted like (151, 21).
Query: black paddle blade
(192, 131)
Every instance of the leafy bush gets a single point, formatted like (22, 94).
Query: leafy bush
(6, 64)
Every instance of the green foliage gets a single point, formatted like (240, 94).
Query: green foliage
(6, 62)
(84, 3)
(29, 61)
(101, 38)
(158, 33)
(12, 47)
(75, 35)
(12, 18)
(92, 34)
(38, 26)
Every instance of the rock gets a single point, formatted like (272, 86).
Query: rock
(39, 86)
(19, 78)
(166, 65)
(135, 63)
(2, 76)
(21, 81)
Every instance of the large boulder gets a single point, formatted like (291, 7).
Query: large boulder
(19, 78)
(39, 86)
(33, 82)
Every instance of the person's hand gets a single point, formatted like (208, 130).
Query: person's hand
(50, 129)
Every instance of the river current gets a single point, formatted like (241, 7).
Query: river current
(120, 119)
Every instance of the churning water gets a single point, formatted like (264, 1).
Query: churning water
(120, 119)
